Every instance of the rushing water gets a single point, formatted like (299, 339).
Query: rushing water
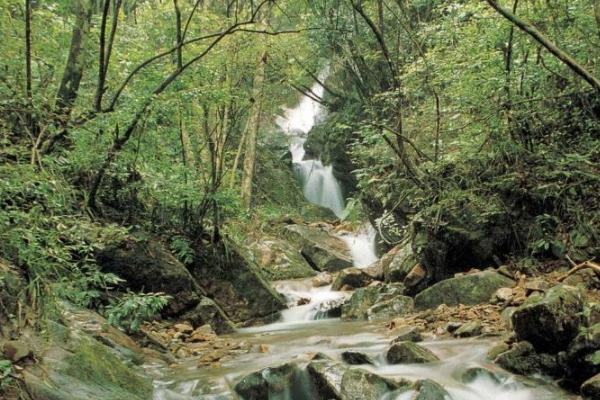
(300, 334)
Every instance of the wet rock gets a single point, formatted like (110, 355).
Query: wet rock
(430, 390)
(470, 329)
(392, 308)
(323, 279)
(324, 251)
(408, 333)
(409, 353)
(352, 277)
(475, 373)
(267, 383)
(326, 376)
(400, 264)
(330, 309)
(232, 280)
(468, 289)
(149, 266)
(357, 307)
(16, 350)
(590, 390)
(208, 312)
(522, 359)
(356, 358)
(453, 326)
(280, 260)
(360, 384)
(497, 349)
(550, 321)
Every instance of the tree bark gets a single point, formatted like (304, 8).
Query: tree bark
(179, 37)
(252, 128)
(547, 44)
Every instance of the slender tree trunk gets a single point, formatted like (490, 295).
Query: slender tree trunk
(28, 76)
(105, 49)
(548, 45)
(186, 144)
(597, 14)
(252, 132)
(179, 36)
(73, 72)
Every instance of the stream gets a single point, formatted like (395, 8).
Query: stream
(300, 333)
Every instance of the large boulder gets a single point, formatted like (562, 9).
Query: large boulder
(351, 277)
(549, 322)
(360, 384)
(284, 381)
(392, 308)
(399, 264)
(85, 368)
(363, 304)
(149, 266)
(280, 260)
(470, 289)
(334, 380)
(326, 376)
(323, 250)
(409, 353)
(430, 390)
(230, 277)
(521, 358)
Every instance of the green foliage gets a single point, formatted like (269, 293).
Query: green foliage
(5, 371)
(132, 309)
(180, 246)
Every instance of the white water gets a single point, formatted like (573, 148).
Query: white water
(361, 245)
(318, 181)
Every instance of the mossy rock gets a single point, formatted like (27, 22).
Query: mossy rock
(468, 289)
(551, 321)
(89, 371)
(279, 260)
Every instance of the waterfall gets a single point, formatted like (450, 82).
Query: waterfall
(318, 182)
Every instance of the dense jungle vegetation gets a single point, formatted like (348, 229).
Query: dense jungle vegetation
(467, 128)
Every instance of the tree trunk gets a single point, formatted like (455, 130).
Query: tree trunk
(547, 44)
(73, 72)
(252, 132)
(28, 77)
(179, 37)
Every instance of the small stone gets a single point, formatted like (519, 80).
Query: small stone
(409, 353)
(356, 358)
(183, 328)
(470, 329)
(503, 295)
(416, 275)
(536, 285)
(303, 301)
(323, 279)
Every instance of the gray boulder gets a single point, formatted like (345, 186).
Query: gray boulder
(409, 353)
(400, 264)
(280, 260)
(470, 289)
(549, 322)
(360, 384)
(392, 308)
(351, 277)
(362, 300)
(356, 358)
(324, 251)
(277, 382)
(326, 376)
(522, 359)
(430, 390)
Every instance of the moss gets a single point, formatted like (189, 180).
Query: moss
(95, 365)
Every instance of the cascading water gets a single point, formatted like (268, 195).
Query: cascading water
(318, 181)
